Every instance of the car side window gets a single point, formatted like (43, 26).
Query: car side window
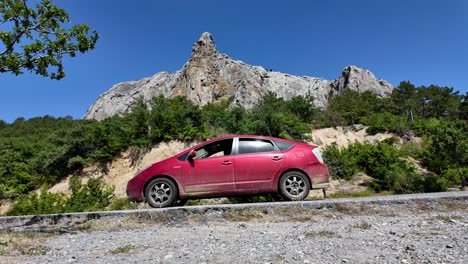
(218, 148)
(254, 145)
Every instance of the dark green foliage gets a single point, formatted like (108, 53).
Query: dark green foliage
(463, 108)
(340, 162)
(405, 109)
(43, 150)
(276, 117)
(271, 116)
(91, 196)
(447, 147)
(175, 118)
(122, 204)
(43, 203)
(37, 38)
(385, 163)
(386, 122)
(350, 107)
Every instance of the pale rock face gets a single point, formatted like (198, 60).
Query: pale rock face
(210, 76)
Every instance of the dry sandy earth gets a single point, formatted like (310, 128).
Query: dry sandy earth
(120, 170)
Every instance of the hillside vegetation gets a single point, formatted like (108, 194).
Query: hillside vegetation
(41, 151)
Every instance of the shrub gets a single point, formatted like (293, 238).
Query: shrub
(92, 196)
(122, 204)
(384, 163)
(340, 162)
(42, 203)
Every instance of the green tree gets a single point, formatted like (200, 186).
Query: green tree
(350, 106)
(304, 108)
(447, 144)
(404, 99)
(464, 107)
(45, 38)
(436, 101)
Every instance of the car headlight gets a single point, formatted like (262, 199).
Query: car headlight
(318, 155)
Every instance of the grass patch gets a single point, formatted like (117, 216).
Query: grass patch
(128, 223)
(123, 249)
(364, 193)
(300, 218)
(202, 202)
(122, 204)
(354, 209)
(14, 243)
(323, 233)
(243, 215)
(295, 213)
(362, 225)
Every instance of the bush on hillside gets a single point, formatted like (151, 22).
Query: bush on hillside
(385, 163)
(92, 196)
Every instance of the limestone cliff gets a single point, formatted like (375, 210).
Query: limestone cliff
(209, 76)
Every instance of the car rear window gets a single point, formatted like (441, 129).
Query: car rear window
(253, 145)
(283, 145)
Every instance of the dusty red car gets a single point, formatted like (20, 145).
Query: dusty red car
(231, 166)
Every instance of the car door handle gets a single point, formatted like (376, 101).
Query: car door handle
(276, 158)
(227, 162)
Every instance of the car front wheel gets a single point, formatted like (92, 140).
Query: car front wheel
(160, 192)
(294, 186)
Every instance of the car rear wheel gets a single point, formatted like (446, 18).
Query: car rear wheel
(294, 186)
(160, 192)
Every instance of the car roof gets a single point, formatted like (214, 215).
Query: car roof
(236, 135)
(244, 136)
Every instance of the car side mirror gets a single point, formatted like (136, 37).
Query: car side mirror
(192, 154)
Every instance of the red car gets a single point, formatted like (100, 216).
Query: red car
(229, 166)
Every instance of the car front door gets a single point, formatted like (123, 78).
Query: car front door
(256, 164)
(211, 170)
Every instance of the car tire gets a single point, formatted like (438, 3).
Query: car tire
(161, 192)
(294, 186)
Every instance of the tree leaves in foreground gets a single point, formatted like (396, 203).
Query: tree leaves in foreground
(38, 38)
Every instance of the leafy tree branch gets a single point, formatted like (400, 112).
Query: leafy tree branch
(37, 39)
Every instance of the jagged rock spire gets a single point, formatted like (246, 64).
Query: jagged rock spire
(204, 46)
(209, 76)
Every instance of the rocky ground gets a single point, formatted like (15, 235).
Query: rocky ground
(407, 232)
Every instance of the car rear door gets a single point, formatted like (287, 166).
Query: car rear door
(257, 163)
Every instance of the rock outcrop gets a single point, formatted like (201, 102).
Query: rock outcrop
(210, 76)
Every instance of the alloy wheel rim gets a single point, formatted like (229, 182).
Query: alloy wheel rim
(295, 186)
(160, 192)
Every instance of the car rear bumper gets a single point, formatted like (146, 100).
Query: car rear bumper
(319, 175)
(321, 185)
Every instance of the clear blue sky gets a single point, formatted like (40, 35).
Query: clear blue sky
(425, 42)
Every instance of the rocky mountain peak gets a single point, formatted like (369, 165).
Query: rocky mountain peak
(204, 46)
(210, 76)
(360, 80)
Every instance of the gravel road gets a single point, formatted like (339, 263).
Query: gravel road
(432, 231)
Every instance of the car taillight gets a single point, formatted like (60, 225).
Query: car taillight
(318, 155)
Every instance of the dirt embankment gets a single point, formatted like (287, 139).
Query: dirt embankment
(118, 172)
(121, 169)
